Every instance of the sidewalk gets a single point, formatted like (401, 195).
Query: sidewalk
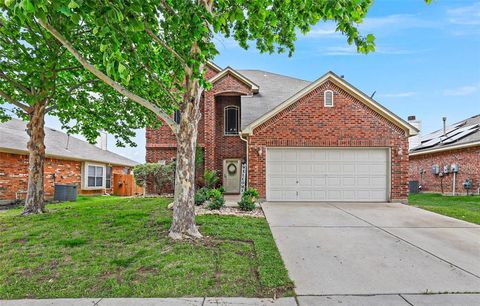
(154, 302)
(331, 300)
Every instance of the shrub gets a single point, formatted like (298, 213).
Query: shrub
(202, 195)
(247, 203)
(216, 199)
(161, 174)
(251, 192)
(210, 179)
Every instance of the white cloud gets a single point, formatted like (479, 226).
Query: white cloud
(352, 51)
(465, 15)
(463, 90)
(398, 94)
(322, 30)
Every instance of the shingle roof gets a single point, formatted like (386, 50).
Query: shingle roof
(461, 133)
(14, 138)
(274, 89)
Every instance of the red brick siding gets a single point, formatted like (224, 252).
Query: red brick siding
(227, 146)
(350, 123)
(161, 142)
(468, 160)
(14, 175)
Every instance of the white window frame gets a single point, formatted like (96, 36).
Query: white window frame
(325, 98)
(85, 176)
(225, 109)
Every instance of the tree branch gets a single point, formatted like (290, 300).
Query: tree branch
(170, 95)
(107, 80)
(12, 101)
(15, 83)
(67, 68)
(166, 46)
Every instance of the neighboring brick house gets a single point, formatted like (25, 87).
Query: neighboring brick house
(298, 140)
(68, 161)
(457, 144)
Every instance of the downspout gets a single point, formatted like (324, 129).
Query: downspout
(246, 142)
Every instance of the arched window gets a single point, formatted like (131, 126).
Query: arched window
(176, 116)
(232, 118)
(328, 98)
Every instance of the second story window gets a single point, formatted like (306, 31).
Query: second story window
(328, 98)
(176, 116)
(232, 118)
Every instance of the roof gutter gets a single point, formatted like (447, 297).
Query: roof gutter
(455, 147)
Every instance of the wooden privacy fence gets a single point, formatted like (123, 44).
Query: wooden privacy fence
(124, 185)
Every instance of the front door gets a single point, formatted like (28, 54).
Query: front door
(231, 175)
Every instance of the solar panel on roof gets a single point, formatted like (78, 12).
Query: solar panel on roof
(440, 132)
(460, 136)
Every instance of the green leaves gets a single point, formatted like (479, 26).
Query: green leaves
(73, 5)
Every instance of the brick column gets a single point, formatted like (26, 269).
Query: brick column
(209, 128)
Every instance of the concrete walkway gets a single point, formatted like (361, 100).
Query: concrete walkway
(348, 300)
(385, 250)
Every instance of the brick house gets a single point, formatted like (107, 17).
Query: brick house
(295, 140)
(433, 155)
(68, 161)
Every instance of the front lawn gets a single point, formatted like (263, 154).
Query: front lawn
(118, 247)
(465, 208)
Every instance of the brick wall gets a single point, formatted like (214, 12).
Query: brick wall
(230, 146)
(468, 160)
(350, 123)
(14, 175)
(161, 143)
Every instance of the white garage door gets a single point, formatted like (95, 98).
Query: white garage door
(314, 174)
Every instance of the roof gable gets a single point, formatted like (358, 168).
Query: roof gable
(330, 76)
(230, 71)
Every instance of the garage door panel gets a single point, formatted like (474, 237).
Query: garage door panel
(348, 181)
(276, 180)
(305, 182)
(319, 168)
(290, 155)
(275, 155)
(305, 167)
(333, 181)
(334, 168)
(319, 181)
(323, 174)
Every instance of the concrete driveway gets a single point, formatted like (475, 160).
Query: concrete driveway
(375, 249)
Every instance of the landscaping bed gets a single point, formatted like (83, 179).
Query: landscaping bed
(465, 208)
(118, 247)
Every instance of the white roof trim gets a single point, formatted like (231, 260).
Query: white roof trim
(229, 70)
(447, 148)
(349, 88)
(214, 66)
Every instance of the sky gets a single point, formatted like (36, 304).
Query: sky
(427, 61)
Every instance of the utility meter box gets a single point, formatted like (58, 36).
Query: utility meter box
(446, 169)
(435, 169)
(454, 168)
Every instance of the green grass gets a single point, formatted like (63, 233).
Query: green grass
(118, 247)
(465, 208)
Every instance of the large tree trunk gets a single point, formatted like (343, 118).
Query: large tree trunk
(35, 202)
(183, 224)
